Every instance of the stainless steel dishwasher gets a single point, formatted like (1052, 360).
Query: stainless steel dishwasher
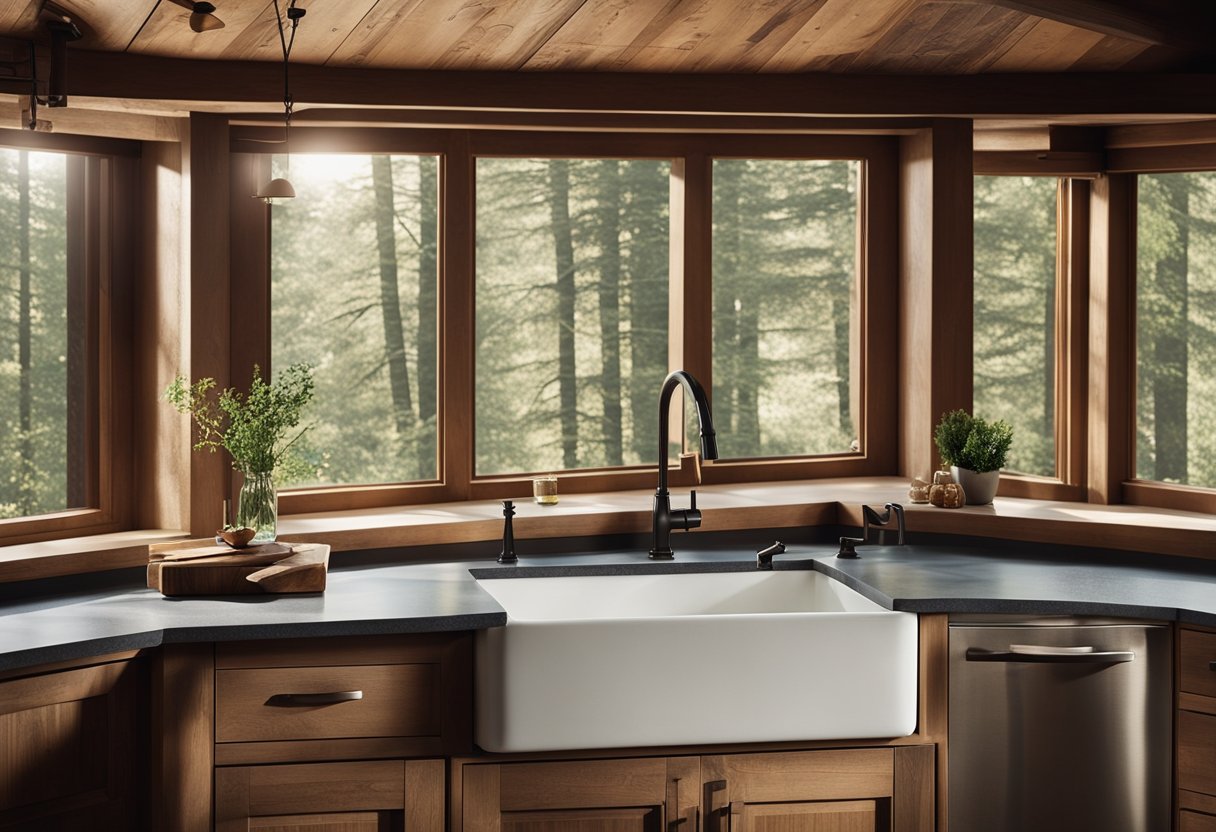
(1059, 725)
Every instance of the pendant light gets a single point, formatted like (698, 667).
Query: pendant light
(281, 188)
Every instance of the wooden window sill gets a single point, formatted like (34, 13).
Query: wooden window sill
(725, 507)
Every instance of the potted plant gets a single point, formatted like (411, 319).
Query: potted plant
(258, 429)
(975, 450)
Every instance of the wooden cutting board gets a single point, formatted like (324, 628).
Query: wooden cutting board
(200, 567)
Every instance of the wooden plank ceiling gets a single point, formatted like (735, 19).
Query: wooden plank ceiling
(853, 36)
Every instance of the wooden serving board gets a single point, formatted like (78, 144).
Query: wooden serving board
(191, 568)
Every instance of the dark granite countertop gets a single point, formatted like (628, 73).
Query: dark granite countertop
(377, 598)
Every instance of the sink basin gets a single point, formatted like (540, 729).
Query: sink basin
(651, 660)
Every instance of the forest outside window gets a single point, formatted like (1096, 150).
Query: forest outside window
(354, 292)
(43, 369)
(785, 307)
(1176, 329)
(1015, 338)
(572, 261)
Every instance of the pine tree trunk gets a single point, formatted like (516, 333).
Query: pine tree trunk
(563, 241)
(390, 301)
(609, 227)
(1170, 347)
(728, 244)
(25, 404)
(647, 192)
(428, 347)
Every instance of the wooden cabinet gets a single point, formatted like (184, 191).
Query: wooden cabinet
(1195, 742)
(314, 735)
(72, 749)
(372, 796)
(856, 790)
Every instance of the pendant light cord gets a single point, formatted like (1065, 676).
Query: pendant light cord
(286, 42)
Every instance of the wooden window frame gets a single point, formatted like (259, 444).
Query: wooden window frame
(1137, 161)
(690, 333)
(1071, 356)
(102, 195)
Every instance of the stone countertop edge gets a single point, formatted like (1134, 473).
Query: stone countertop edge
(445, 597)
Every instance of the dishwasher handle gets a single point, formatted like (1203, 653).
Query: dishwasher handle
(1034, 654)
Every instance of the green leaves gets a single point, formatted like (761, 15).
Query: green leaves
(973, 443)
(256, 428)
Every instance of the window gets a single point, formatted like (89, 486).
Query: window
(1176, 329)
(572, 259)
(43, 366)
(1015, 337)
(354, 292)
(785, 307)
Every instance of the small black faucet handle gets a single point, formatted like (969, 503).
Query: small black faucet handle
(692, 496)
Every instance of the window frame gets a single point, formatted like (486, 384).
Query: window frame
(102, 197)
(691, 156)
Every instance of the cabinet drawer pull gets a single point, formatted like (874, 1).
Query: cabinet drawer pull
(1212, 665)
(304, 700)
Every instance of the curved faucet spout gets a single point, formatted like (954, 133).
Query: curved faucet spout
(663, 518)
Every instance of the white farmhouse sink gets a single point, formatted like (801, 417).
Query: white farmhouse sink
(650, 660)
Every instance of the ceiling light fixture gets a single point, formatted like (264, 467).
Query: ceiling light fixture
(281, 188)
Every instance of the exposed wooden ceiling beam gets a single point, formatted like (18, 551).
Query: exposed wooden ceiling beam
(117, 75)
(1175, 24)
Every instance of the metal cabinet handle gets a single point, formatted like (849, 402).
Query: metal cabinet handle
(304, 700)
(1212, 665)
(1049, 655)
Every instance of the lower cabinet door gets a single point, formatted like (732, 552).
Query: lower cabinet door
(850, 790)
(72, 750)
(643, 795)
(375, 796)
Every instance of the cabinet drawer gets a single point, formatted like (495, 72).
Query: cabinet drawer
(397, 700)
(1195, 822)
(1195, 656)
(1197, 752)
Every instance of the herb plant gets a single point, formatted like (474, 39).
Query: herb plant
(970, 442)
(258, 428)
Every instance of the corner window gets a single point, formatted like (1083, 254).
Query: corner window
(1176, 329)
(1016, 295)
(45, 347)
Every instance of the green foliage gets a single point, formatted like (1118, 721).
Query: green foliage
(1015, 311)
(256, 428)
(973, 443)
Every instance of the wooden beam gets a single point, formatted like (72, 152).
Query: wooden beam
(935, 297)
(1175, 26)
(85, 122)
(121, 75)
(1160, 135)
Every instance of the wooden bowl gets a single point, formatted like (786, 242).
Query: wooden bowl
(237, 538)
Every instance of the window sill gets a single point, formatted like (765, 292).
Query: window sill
(725, 507)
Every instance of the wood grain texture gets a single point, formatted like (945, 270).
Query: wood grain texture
(1197, 651)
(1111, 348)
(803, 776)
(1197, 801)
(914, 808)
(935, 286)
(183, 731)
(1196, 762)
(72, 749)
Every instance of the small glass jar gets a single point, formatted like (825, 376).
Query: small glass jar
(544, 490)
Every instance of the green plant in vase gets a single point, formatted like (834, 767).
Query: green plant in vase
(975, 450)
(259, 429)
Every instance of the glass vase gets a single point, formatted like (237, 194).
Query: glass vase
(257, 507)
